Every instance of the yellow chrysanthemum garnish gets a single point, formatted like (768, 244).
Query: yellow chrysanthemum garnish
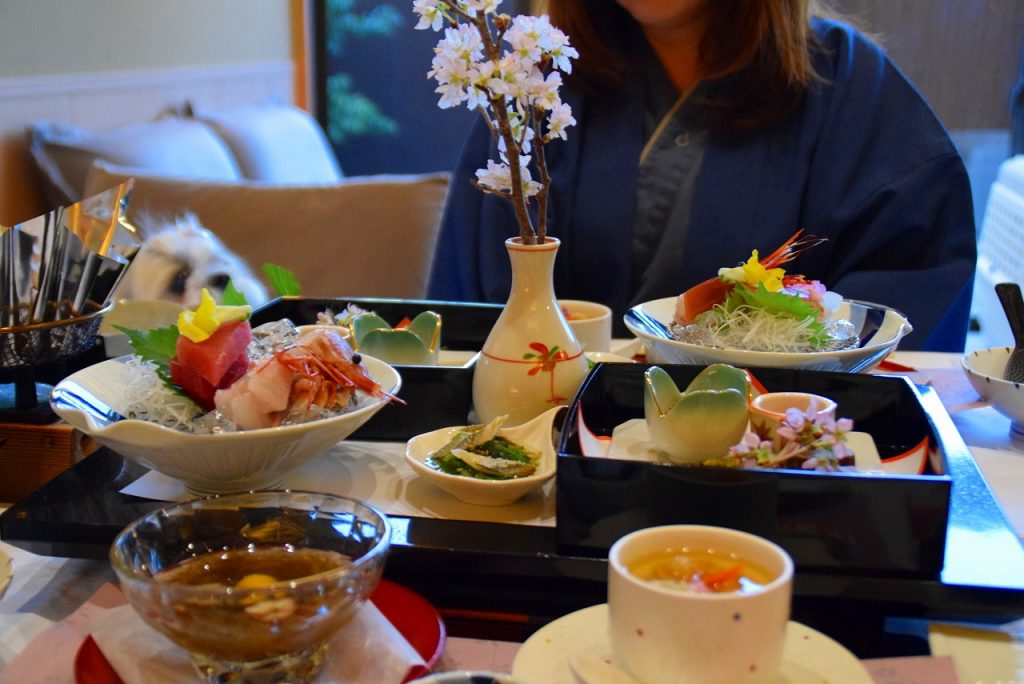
(200, 324)
(752, 273)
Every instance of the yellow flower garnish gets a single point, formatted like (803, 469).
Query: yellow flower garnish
(754, 272)
(200, 324)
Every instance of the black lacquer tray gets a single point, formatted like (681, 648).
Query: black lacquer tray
(435, 396)
(848, 521)
(471, 569)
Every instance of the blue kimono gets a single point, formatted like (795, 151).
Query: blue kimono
(863, 162)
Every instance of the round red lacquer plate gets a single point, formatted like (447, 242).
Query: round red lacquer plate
(411, 614)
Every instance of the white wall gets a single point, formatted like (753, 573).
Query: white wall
(73, 36)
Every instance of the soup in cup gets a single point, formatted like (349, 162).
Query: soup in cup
(698, 603)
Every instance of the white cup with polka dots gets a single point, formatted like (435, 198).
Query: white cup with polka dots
(665, 630)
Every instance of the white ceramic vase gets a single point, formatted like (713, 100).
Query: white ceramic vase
(531, 360)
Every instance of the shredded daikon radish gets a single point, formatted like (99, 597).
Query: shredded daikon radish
(148, 398)
(755, 330)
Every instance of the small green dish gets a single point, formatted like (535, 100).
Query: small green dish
(415, 344)
(701, 422)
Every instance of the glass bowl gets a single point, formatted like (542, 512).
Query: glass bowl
(253, 585)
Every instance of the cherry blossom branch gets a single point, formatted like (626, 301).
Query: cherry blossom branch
(507, 69)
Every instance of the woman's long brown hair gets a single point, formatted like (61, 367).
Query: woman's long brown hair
(757, 52)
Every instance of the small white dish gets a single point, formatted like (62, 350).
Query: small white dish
(535, 433)
(207, 463)
(341, 330)
(6, 571)
(984, 369)
(607, 357)
(452, 358)
(134, 314)
(880, 328)
(631, 441)
(809, 657)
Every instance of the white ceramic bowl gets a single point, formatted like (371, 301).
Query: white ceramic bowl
(212, 463)
(984, 369)
(880, 327)
(535, 433)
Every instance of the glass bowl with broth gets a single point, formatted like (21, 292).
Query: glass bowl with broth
(253, 585)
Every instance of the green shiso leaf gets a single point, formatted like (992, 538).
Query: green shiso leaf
(156, 345)
(778, 304)
(232, 297)
(775, 303)
(283, 281)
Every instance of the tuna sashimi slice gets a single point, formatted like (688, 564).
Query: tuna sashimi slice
(198, 389)
(211, 358)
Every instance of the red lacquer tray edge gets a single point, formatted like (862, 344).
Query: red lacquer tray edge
(412, 615)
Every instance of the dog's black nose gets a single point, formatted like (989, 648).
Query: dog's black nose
(219, 280)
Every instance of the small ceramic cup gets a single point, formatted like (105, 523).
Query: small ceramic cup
(590, 322)
(664, 635)
(767, 411)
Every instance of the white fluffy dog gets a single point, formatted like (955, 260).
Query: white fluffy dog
(179, 258)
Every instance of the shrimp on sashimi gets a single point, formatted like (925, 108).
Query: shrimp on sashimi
(706, 295)
(319, 372)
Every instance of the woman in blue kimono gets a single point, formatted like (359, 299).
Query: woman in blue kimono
(708, 128)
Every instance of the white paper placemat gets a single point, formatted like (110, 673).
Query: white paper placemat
(376, 472)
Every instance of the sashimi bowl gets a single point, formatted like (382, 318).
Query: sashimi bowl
(880, 328)
(93, 400)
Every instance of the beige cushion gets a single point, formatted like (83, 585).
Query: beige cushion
(277, 143)
(370, 236)
(168, 146)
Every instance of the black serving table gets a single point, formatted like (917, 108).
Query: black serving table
(517, 576)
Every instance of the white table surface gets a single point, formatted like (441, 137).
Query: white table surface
(46, 592)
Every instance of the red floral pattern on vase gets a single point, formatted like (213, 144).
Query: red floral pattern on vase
(545, 360)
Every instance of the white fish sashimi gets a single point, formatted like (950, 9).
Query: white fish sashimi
(257, 399)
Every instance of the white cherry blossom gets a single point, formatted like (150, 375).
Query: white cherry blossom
(498, 176)
(560, 119)
(471, 7)
(513, 78)
(430, 14)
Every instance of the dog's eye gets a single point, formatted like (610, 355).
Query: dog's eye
(219, 280)
(177, 284)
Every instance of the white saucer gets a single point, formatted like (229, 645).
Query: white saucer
(810, 656)
(6, 571)
(631, 441)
